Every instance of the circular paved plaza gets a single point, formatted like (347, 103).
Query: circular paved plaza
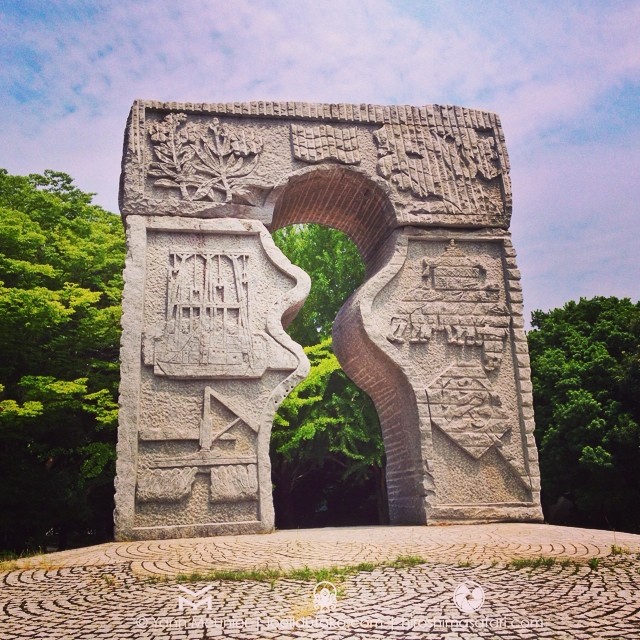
(451, 582)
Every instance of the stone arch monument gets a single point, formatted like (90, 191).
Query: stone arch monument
(435, 334)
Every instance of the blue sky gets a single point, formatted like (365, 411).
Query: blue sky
(563, 76)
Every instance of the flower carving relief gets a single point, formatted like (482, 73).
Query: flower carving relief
(205, 161)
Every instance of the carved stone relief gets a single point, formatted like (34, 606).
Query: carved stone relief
(459, 306)
(225, 461)
(449, 171)
(440, 165)
(213, 429)
(208, 331)
(204, 161)
(455, 298)
(234, 483)
(464, 405)
(315, 144)
(441, 311)
(214, 364)
(435, 335)
(165, 485)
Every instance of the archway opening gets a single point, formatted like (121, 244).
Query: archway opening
(327, 453)
(340, 198)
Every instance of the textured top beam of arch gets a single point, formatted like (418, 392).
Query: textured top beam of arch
(442, 166)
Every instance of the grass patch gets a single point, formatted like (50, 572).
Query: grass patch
(306, 574)
(10, 555)
(9, 565)
(14, 565)
(617, 550)
(406, 562)
(9, 561)
(540, 562)
(257, 575)
(156, 579)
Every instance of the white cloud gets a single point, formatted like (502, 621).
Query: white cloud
(553, 71)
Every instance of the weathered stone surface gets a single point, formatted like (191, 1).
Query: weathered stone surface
(435, 348)
(439, 165)
(205, 364)
(434, 336)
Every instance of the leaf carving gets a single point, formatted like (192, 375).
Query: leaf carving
(211, 159)
(163, 182)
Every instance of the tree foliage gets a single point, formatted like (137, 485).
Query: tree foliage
(326, 443)
(61, 261)
(585, 360)
(336, 271)
(326, 447)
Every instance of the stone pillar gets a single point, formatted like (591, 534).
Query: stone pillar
(436, 338)
(205, 364)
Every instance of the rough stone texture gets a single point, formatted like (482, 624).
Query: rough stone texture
(130, 590)
(438, 163)
(439, 345)
(435, 335)
(205, 364)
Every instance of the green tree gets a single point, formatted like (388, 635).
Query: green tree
(336, 271)
(585, 360)
(61, 262)
(326, 447)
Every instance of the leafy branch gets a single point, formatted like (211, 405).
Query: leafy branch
(202, 160)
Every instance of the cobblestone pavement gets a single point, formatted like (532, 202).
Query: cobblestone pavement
(465, 588)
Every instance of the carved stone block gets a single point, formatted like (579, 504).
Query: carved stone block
(234, 483)
(435, 335)
(206, 362)
(160, 485)
(438, 165)
(437, 327)
(317, 144)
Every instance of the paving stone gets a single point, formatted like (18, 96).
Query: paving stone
(105, 591)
